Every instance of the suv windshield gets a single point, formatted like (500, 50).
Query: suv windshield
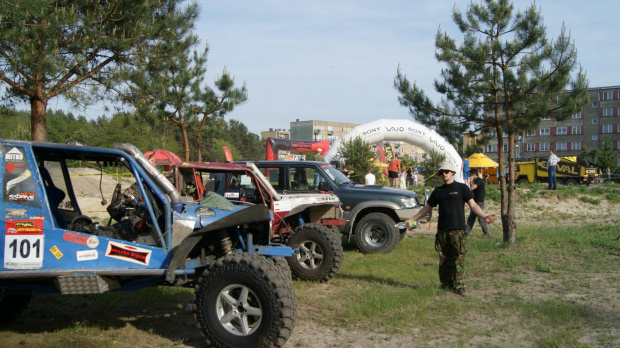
(336, 175)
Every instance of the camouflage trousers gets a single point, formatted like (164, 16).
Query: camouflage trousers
(451, 246)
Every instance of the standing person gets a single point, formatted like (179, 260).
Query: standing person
(409, 176)
(478, 188)
(346, 171)
(415, 179)
(393, 170)
(608, 174)
(465, 167)
(369, 179)
(402, 180)
(319, 155)
(552, 162)
(450, 239)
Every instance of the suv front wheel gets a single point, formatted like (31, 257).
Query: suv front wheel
(376, 233)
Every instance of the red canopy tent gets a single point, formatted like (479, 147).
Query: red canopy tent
(161, 157)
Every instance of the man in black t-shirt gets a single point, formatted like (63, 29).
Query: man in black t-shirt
(478, 188)
(450, 237)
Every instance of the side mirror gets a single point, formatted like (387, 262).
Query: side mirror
(324, 186)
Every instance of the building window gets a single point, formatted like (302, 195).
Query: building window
(562, 130)
(608, 112)
(491, 133)
(544, 131)
(576, 130)
(608, 128)
(595, 137)
(544, 146)
(607, 95)
(575, 145)
(505, 148)
(595, 105)
(595, 121)
(577, 115)
(492, 148)
(531, 147)
(546, 118)
(531, 133)
(561, 147)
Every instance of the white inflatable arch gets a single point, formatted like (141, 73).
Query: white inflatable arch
(401, 130)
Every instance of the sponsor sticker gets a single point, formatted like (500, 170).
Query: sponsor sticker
(21, 177)
(56, 252)
(128, 253)
(23, 244)
(231, 194)
(22, 196)
(16, 213)
(92, 242)
(14, 155)
(74, 238)
(12, 166)
(87, 255)
(281, 206)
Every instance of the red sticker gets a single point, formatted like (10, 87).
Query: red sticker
(24, 227)
(74, 238)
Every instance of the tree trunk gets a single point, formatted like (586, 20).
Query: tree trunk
(38, 109)
(511, 225)
(198, 151)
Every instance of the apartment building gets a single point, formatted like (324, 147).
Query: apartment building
(600, 118)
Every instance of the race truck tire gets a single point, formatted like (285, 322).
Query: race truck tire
(12, 306)
(572, 182)
(376, 233)
(320, 252)
(521, 181)
(244, 300)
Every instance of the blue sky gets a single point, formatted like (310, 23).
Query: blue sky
(336, 60)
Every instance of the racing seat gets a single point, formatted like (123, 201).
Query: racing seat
(54, 196)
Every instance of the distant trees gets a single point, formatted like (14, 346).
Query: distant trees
(505, 77)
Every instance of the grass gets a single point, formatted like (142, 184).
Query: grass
(547, 290)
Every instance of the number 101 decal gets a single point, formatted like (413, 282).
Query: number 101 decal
(23, 244)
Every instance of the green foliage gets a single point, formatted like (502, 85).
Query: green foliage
(593, 201)
(432, 165)
(77, 49)
(608, 156)
(359, 158)
(504, 77)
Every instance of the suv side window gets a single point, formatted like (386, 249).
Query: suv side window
(304, 179)
(19, 187)
(273, 175)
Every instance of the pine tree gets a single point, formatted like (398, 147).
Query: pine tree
(75, 48)
(504, 77)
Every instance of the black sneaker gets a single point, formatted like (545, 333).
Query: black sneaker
(460, 292)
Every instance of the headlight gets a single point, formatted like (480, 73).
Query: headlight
(409, 202)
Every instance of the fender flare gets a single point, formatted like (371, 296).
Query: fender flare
(250, 215)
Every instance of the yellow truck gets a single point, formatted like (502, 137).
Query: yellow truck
(570, 171)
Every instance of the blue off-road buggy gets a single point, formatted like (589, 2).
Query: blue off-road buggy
(82, 220)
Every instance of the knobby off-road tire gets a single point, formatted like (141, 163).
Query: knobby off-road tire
(320, 252)
(376, 233)
(12, 306)
(245, 300)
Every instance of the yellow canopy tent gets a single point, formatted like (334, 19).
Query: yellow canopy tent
(479, 160)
